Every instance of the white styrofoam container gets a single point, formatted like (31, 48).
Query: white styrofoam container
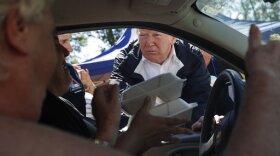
(167, 87)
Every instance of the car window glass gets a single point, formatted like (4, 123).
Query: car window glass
(240, 14)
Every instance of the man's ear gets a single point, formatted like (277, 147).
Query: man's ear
(16, 31)
(173, 40)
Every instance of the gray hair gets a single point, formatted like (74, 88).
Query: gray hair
(30, 10)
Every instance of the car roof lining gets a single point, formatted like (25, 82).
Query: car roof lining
(147, 10)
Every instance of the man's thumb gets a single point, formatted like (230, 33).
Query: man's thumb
(147, 104)
(254, 38)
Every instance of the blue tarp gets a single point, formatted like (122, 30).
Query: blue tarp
(103, 63)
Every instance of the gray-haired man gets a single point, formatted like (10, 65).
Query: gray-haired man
(27, 62)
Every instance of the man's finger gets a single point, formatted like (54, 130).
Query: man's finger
(147, 104)
(197, 126)
(114, 91)
(254, 38)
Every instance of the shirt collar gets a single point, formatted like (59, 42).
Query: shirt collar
(176, 63)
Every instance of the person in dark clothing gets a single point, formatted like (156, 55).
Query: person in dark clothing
(70, 119)
(159, 53)
(61, 113)
(216, 66)
(76, 91)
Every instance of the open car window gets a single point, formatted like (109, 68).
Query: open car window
(96, 50)
(93, 53)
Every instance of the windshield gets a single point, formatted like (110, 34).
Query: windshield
(240, 14)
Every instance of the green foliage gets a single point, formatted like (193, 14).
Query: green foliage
(257, 10)
(110, 36)
(243, 9)
(79, 40)
(74, 61)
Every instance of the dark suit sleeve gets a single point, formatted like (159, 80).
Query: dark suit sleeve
(76, 93)
(197, 87)
(116, 73)
(118, 63)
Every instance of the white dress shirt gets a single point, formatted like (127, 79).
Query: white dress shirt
(150, 69)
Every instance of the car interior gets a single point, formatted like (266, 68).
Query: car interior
(203, 23)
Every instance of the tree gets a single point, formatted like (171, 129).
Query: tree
(110, 36)
(80, 39)
(259, 11)
(243, 9)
